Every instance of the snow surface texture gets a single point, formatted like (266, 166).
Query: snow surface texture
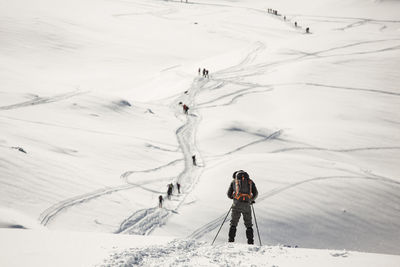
(60, 248)
(93, 129)
(192, 253)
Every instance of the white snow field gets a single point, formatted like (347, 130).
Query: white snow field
(92, 131)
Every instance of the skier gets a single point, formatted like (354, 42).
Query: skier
(185, 109)
(295, 24)
(204, 72)
(169, 191)
(307, 30)
(178, 185)
(199, 71)
(160, 201)
(194, 160)
(243, 191)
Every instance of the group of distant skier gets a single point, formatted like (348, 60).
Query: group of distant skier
(204, 72)
(275, 12)
(170, 188)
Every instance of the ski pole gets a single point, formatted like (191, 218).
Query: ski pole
(255, 219)
(221, 226)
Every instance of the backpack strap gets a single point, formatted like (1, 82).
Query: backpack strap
(251, 188)
(236, 188)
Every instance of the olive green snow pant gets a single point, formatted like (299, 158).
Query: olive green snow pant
(238, 208)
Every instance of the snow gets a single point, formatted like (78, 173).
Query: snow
(92, 131)
(61, 248)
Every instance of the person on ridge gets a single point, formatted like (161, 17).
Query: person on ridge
(243, 191)
(160, 201)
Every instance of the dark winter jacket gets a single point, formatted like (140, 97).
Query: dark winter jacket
(231, 190)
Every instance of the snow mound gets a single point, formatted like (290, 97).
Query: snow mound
(194, 253)
(10, 218)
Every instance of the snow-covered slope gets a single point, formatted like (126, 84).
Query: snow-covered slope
(92, 129)
(54, 248)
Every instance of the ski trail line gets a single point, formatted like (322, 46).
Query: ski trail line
(42, 100)
(48, 215)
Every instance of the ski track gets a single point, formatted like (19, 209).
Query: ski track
(161, 148)
(210, 226)
(353, 89)
(127, 174)
(49, 214)
(144, 221)
(42, 100)
(334, 150)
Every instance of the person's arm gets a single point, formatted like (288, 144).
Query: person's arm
(230, 191)
(255, 192)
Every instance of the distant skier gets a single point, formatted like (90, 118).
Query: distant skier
(243, 191)
(160, 201)
(307, 30)
(194, 160)
(185, 108)
(199, 71)
(295, 24)
(169, 191)
(207, 76)
(204, 72)
(178, 185)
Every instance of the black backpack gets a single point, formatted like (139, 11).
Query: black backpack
(243, 186)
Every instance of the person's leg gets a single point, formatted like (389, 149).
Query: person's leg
(248, 223)
(234, 222)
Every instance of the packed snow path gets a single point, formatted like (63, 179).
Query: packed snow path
(146, 220)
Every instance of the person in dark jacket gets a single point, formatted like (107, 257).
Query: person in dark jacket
(185, 108)
(169, 191)
(243, 191)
